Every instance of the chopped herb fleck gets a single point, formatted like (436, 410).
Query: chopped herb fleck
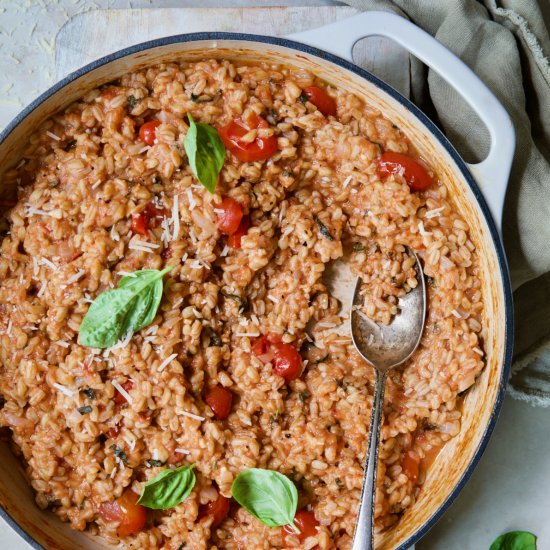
(244, 306)
(340, 483)
(214, 465)
(201, 98)
(272, 116)
(84, 410)
(303, 395)
(119, 453)
(132, 101)
(182, 546)
(70, 145)
(429, 427)
(303, 97)
(90, 393)
(287, 174)
(358, 247)
(431, 281)
(323, 229)
(215, 340)
(152, 463)
(274, 417)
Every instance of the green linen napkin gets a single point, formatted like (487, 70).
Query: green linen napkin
(507, 44)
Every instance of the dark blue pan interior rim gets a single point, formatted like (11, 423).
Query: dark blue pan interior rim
(435, 131)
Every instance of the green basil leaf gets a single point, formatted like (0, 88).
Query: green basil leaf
(119, 311)
(515, 540)
(205, 151)
(168, 489)
(267, 495)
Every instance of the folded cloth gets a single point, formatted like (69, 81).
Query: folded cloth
(506, 43)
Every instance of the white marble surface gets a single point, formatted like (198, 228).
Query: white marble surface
(511, 487)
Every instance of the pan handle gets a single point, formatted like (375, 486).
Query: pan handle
(491, 174)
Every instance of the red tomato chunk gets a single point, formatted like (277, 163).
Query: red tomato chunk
(218, 509)
(230, 213)
(285, 359)
(259, 148)
(219, 399)
(148, 132)
(150, 216)
(320, 98)
(234, 241)
(306, 523)
(125, 510)
(414, 173)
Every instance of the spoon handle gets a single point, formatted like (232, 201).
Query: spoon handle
(364, 532)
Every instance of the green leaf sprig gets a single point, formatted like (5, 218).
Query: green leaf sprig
(267, 495)
(515, 540)
(117, 312)
(205, 151)
(168, 489)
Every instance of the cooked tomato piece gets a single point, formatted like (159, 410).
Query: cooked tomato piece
(114, 431)
(130, 515)
(119, 398)
(234, 241)
(286, 361)
(410, 465)
(150, 216)
(148, 132)
(230, 213)
(260, 346)
(259, 148)
(139, 224)
(218, 509)
(306, 523)
(320, 98)
(414, 173)
(219, 399)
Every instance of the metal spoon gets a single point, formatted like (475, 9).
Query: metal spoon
(384, 347)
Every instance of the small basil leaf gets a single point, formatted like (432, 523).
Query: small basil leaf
(515, 540)
(267, 495)
(168, 489)
(117, 312)
(205, 151)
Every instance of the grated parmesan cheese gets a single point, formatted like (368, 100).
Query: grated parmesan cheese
(347, 181)
(145, 243)
(248, 334)
(434, 213)
(479, 352)
(47, 263)
(75, 277)
(63, 389)
(167, 361)
(62, 344)
(114, 234)
(192, 201)
(122, 391)
(53, 136)
(182, 451)
(126, 274)
(190, 415)
(42, 290)
(175, 218)
(8, 330)
(225, 251)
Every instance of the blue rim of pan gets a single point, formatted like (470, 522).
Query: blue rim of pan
(436, 133)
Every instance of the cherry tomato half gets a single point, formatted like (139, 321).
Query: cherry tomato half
(320, 98)
(218, 509)
(411, 466)
(119, 398)
(261, 148)
(414, 173)
(285, 358)
(230, 214)
(219, 399)
(286, 361)
(148, 132)
(132, 516)
(306, 523)
(234, 241)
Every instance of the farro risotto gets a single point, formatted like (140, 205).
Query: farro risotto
(167, 333)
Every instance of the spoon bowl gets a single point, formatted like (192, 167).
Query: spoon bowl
(384, 347)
